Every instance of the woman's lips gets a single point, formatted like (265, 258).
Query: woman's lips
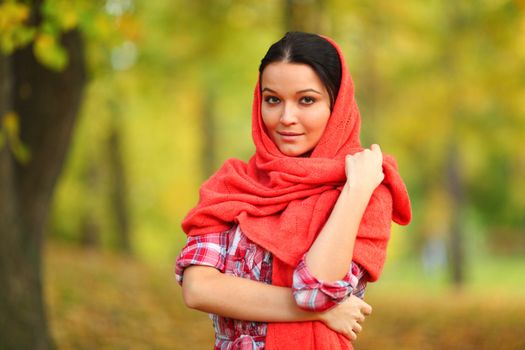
(289, 136)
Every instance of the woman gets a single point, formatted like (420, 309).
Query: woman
(280, 248)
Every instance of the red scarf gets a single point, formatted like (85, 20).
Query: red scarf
(281, 203)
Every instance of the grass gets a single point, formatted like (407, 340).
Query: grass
(107, 301)
(101, 300)
(502, 275)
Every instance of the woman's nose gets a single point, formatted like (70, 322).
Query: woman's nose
(288, 115)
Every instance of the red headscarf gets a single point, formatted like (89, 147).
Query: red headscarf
(281, 203)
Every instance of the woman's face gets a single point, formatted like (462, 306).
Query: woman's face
(295, 107)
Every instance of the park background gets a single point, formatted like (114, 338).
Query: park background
(114, 112)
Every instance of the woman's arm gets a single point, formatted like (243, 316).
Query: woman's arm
(207, 289)
(337, 238)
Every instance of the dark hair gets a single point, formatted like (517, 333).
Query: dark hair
(310, 49)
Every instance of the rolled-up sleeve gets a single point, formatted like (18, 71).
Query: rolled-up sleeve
(205, 250)
(312, 294)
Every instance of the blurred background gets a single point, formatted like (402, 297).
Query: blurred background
(114, 112)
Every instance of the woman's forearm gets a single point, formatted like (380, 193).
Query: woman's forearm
(330, 255)
(206, 289)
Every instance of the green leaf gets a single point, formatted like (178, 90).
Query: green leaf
(49, 52)
(11, 127)
(21, 152)
(10, 124)
(14, 32)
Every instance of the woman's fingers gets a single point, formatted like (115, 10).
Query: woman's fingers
(357, 328)
(349, 334)
(366, 309)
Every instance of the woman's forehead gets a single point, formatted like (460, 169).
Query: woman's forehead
(294, 76)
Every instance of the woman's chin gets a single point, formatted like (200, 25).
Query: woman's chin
(295, 152)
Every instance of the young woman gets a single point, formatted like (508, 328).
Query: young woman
(280, 249)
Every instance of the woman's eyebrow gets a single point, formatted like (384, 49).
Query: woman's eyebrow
(308, 90)
(298, 92)
(268, 89)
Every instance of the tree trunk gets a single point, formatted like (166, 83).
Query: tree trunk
(47, 104)
(369, 83)
(22, 315)
(456, 22)
(303, 15)
(119, 188)
(456, 237)
(208, 130)
(90, 226)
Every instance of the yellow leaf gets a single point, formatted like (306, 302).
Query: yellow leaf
(49, 52)
(44, 41)
(13, 31)
(69, 20)
(12, 14)
(10, 124)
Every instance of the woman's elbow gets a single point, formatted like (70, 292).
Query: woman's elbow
(190, 295)
(194, 287)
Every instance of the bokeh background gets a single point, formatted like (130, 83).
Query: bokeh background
(164, 96)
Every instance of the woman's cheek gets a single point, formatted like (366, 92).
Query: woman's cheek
(270, 119)
(317, 120)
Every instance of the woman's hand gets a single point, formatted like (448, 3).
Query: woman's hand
(346, 318)
(364, 170)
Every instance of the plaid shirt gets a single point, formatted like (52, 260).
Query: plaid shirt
(231, 252)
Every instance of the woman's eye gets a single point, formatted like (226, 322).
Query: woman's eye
(272, 100)
(307, 100)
